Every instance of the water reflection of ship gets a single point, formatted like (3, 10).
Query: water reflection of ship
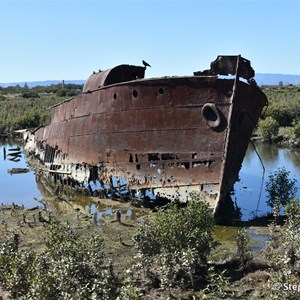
(13, 154)
(93, 211)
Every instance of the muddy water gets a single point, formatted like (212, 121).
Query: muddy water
(229, 234)
(249, 191)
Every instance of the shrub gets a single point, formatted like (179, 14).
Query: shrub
(218, 284)
(243, 247)
(176, 241)
(71, 267)
(281, 187)
(297, 130)
(30, 94)
(61, 93)
(285, 255)
(71, 93)
(292, 134)
(281, 113)
(268, 128)
(29, 120)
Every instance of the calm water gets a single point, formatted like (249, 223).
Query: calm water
(17, 188)
(249, 191)
(253, 178)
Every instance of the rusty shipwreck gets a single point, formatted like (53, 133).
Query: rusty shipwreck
(160, 137)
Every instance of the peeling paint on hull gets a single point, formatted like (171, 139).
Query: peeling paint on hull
(164, 136)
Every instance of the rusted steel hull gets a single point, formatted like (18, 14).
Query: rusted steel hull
(164, 136)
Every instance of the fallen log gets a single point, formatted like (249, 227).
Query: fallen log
(18, 170)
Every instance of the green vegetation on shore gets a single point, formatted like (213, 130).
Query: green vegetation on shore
(281, 120)
(22, 107)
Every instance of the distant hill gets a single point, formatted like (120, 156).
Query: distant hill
(41, 83)
(261, 79)
(274, 79)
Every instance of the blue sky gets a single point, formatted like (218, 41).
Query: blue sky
(68, 39)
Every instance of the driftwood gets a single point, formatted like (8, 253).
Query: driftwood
(18, 170)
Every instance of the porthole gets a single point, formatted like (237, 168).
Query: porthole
(212, 115)
(115, 96)
(161, 91)
(135, 93)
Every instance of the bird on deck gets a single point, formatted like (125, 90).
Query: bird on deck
(145, 64)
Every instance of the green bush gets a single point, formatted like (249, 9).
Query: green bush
(218, 285)
(176, 241)
(71, 267)
(268, 128)
(243, 247)
(281, 113)
(30, 94)
(284, 104)
(71, 93)
(285, 255)
(296, 130)
(61, 93)
(292, 134)
(29, 120)
(281, 187)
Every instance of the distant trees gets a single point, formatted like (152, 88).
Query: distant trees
(53, 88)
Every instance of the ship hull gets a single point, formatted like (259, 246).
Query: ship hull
(163, 137)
